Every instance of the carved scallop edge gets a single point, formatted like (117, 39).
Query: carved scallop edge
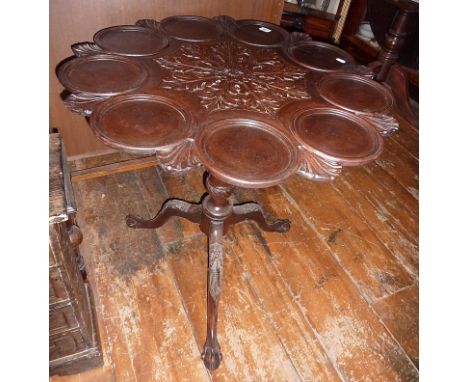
(82, 104)
(148, 23)
(296, 37)
(179, 158)
(360, 70)
(385, 123)
(86, 49)
(316, 168)
(228, 24)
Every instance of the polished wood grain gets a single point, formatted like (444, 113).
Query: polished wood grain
(334, 299)
(77, 20)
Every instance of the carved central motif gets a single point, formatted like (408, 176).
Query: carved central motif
(229, 75)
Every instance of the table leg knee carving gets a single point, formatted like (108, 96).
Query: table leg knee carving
(212, 355)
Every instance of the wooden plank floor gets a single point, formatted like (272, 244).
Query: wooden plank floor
(334, 299)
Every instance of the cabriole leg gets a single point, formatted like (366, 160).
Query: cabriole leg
(217, 207)
(212, 355)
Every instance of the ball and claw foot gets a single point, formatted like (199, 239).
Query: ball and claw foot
(133, 221)
(212, 356)
(282, 225)
(253, 211)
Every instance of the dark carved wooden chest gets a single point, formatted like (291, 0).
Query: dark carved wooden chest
(73, 337)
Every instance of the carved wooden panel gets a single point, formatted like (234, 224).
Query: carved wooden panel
(229, 75)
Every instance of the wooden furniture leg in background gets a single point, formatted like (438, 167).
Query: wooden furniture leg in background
(386, 68)
(214, 215)
(398, 82)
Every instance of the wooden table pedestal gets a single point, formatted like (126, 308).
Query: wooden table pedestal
(215, 214)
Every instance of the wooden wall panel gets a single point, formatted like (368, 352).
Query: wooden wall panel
(74, 21)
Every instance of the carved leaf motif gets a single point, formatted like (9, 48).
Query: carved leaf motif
(358, 69)
(227, 22)
(82, 104)
(215, 269)
(296, 37)
(385, 124)
(316, 168)
(230, 75)
(180, 158)
(148, 23)
(86, 49)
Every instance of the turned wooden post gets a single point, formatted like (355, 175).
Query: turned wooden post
(395, 37)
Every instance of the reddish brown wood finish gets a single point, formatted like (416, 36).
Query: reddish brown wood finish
(241, 73)
(246, 149)
(144, 123)
(191, 28)
(131, 40)
(260, 33)
(319, 56)
(102, 75)
(337, 136)
(356, 93)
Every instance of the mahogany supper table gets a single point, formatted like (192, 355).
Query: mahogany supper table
(250, 102)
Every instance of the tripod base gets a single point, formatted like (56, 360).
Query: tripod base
(214, 215)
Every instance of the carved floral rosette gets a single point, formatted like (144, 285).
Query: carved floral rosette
(229, 75)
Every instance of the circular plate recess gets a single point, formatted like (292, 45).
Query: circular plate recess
(131, 40)
(191, 28)
(337, 135)
(143, 123)
(318, 56)
(102, 75)
(355, 93)
(260, 33)
(246, 149)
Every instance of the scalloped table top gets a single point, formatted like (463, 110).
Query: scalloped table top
(251, 102)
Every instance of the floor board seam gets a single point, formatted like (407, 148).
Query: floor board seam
(95, 290)
(308, 323)
(403, 147)
(370, 226)
(368, 171)
(378, 163)
(262, 306)
(368, 299)
(291, 200)
(395, 293)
